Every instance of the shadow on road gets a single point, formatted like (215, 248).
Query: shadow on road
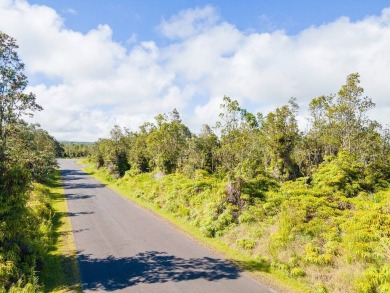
(80, 185)
(151, 267)
(68, 176)
(72, 174)
(78, 196)
(79, 214)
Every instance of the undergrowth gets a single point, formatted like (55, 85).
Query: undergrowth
(324, 240)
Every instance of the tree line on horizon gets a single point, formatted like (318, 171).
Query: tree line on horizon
(73, 149)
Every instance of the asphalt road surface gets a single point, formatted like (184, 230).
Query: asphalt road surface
(122, 247)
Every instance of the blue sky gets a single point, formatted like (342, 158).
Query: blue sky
(141, 17)
(94, 64)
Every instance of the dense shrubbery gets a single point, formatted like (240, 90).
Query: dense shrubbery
(314, 205)
(27, 156)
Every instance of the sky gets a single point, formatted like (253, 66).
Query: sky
(94, 63)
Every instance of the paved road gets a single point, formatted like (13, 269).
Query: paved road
(121, 247)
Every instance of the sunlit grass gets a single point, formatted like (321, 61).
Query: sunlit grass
(61, 272)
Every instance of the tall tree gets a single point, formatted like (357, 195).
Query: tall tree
(281, 136)
(18, 235)
(239, 131)
(138, 153)
(340, 122)
(14, 102)
(34, 149)
(350, 111)
(201, 151)
(166, 143)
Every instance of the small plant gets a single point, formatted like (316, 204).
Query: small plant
(297, 272)
(321, 289)
(246, 243)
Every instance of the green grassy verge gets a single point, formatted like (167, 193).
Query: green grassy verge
(61, 272)
(257, 268)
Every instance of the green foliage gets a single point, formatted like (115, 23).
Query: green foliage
(280, 135)
(367, 236)
(251, 214)
(296, 224)
(297, 272)
(341, 174)
(238, 153)
(375, 280)
(73, 150)
(201, 152)
(14, 101)
(313, 204)
(246, 243)
(25, 241)
(27, 155)
(35, 149)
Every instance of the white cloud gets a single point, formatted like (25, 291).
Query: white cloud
(133, 39)
(88, 82)
(189, 22)
(71, 11)
(266, 23)
(265, 70)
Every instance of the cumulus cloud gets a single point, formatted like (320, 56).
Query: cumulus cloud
(87, 82)
(189, 22)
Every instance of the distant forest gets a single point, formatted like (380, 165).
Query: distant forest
(70, 149)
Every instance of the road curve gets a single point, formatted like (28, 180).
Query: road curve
(121, 247)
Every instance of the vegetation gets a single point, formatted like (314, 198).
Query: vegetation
(27, 158)
(314, 205)
(74, 149)
(60, 273)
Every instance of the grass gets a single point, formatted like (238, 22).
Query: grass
(61, 272)
(257, 268)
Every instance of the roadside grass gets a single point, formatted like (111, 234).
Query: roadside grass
(61, 273)
(257, 268)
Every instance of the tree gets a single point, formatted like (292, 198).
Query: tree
(239, 152)
(239, 131)
(167, 141)
(280, 135)
(138, 153)
(72, 150)
(350, 111)
(208, 146)
(14, 103)
(340, 123)
(118, 147)
(201, 151)
(35, 151)
(18, 235)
